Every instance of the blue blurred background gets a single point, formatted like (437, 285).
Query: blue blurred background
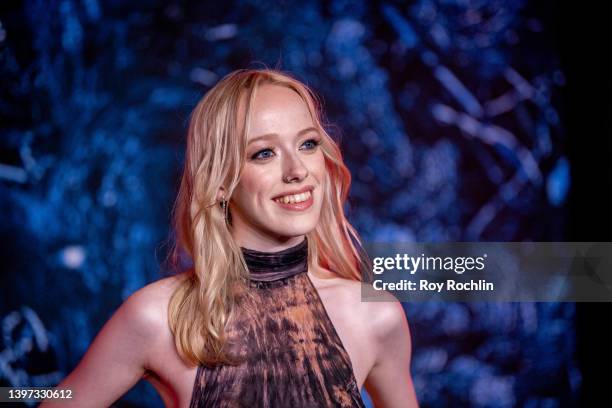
(460, 120)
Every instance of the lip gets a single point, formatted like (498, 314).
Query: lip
(302, 190)
(302, 206)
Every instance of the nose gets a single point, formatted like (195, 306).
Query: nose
(294, 169)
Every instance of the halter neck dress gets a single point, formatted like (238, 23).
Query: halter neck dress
(293, 356)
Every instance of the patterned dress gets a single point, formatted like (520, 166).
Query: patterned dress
(293, 356)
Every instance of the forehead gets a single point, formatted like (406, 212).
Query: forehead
(278, 109)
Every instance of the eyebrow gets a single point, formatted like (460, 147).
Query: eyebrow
(269, 135)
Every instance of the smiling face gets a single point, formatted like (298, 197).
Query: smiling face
(279, 196)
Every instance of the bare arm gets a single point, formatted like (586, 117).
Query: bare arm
(389, 383)
(116, 359)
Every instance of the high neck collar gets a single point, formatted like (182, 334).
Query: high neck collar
(272, 266)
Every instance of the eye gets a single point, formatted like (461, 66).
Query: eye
(311, 144)
(262, 154)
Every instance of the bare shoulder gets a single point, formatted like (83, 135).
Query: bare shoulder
(129, 341)
(382, 310)
(389, 320)
(145, 310)
(156, 292)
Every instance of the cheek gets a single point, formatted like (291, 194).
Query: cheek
(246, 186)
(325, 179)
(253, 184)
(319, 171)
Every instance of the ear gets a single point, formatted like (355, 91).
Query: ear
(221, 194)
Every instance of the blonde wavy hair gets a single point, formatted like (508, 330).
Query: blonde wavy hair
(216, 146)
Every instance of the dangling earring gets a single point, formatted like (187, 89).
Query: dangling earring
(223, 204)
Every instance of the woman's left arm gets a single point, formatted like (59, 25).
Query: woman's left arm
(389, 382)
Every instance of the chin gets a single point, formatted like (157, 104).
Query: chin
(295, 230)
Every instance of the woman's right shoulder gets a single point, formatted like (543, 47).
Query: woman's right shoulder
(145, 314)
(159, 289)
(130, 343)
(155, 296)
(146, 309)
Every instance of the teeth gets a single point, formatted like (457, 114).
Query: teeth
(294, 198)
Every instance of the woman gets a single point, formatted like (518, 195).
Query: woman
(270, 312)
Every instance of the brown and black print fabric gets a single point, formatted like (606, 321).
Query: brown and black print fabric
(292, 354)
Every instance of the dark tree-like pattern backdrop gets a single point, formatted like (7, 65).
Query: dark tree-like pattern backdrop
(448, 117)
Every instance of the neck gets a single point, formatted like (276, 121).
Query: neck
(267, 244)
(274, 265)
